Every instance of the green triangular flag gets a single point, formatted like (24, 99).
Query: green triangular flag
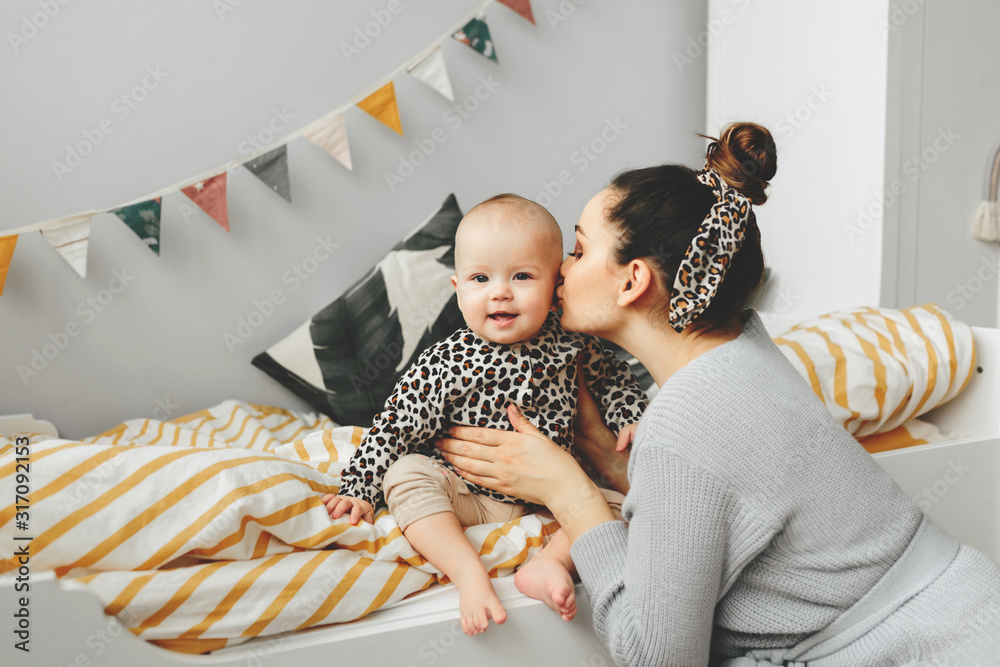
(272, 168)
(144, 220)
(476, 34)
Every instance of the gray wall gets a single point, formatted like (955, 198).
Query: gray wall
(157, 348)
(943, 128)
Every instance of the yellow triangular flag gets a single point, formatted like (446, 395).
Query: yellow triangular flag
(381, 105)
(70, 239)
(7, 244)
(331, 136)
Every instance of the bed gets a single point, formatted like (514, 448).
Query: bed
(955, 481)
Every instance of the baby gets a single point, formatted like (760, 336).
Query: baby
(508, 252)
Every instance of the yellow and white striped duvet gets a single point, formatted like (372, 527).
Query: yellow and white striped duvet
(207, 530)
(877, 368)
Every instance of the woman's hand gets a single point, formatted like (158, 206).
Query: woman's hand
(526, 464)
(522, 463)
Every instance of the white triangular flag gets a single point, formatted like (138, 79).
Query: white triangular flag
(331, 136)
(432, 71)
(70, 239)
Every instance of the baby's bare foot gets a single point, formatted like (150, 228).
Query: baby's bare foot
(546, 579)
(478, 603)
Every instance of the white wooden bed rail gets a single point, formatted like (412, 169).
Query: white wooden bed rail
(69, 628)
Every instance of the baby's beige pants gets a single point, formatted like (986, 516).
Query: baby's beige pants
(417, 486)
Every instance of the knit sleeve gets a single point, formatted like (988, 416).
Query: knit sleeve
(413, 414)
(654, 583)
(613, 385)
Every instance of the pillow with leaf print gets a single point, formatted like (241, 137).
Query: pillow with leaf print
(344, 360)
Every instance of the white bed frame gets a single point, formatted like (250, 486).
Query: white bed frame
(957, 483)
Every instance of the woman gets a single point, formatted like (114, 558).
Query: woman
(758, 530)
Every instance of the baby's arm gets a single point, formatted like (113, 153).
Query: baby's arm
(413, 414)
(615, 388)
(358, 509)
(626, 436)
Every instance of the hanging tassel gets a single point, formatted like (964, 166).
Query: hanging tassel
(986, 224)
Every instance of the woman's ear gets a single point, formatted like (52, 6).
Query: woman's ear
(638, 280)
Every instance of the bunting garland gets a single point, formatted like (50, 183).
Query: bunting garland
(144, 220)
(432, 71)
(70, 235)
(381, 105)
(7, 244)
(522, 7)
(331, 136)
(476, 34)
(210, 196)
(272, 168)
(71, 241)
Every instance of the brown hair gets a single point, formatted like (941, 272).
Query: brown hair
(657, 211)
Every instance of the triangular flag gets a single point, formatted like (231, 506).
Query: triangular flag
(70, 239)
(432, 71)
(331, 136)
(381, 105)
(7, 244)
(210, 196)
(477, 35)
(144, 220)
(522, 7)
(272, 168)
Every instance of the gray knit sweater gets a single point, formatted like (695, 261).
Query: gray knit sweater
(755, 519)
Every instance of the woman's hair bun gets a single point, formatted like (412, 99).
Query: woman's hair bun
(745, 156)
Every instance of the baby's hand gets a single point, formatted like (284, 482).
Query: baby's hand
(625, 437)
(337, 506)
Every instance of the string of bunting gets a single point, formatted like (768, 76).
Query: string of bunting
(70, 235)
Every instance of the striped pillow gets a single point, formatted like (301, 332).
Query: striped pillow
(876, 368)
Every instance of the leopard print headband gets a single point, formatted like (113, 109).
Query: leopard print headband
(704, 265)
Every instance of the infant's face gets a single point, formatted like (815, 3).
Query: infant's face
(505, 279)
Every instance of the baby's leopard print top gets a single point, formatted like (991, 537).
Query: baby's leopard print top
(465, 380)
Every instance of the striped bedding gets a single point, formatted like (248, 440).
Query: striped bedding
(877, 369)
(207, 530)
